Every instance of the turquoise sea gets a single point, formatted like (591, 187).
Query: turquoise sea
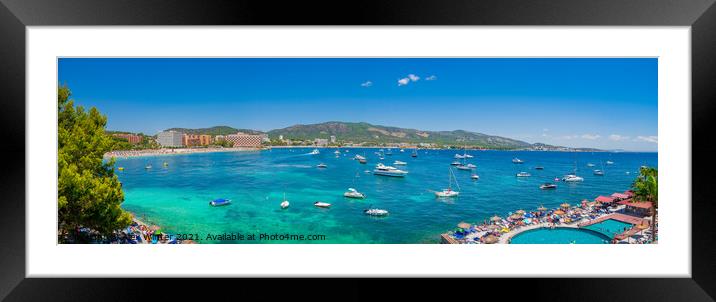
(176, 196)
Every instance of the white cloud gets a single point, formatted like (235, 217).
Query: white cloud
(590, 136)
(431, 78)
(617, 137)
(413, 77)
(650, 139)
(367, 84)
(403, 81)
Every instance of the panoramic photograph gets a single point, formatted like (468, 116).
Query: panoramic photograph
(357, 151)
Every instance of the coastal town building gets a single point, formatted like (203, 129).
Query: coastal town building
(320, 142)
(170, 139)
(131, 138)
(191, 140)
(245, 140)
(333, 139)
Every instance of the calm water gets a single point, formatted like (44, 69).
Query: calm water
(610, 227)
(176, 197)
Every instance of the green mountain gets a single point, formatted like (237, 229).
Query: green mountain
(216, 130)
(376, 134)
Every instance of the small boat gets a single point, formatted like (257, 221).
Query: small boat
(456, 163)
(358, 157)
(572, 178)
(474, 176)
(337, 152)
(599, 172)
(384, 170)
(400, 163)
(539, 168)
(590, 165)
(284, 203)
(458, 156)
(523, 174)
(517, 161)
(609, 162)
(415, 153)
(449, 191)
(467, 156)
(463, 167)
(352, 193)
(321, 204)
(362, 161)
(322, 165)
(471, 166)
(401, 150)
(375, 212)
(390, 152)
(148, 167)
(314, 152)
(547, 186)
(121, 168)
(165, 164)
(219, 202)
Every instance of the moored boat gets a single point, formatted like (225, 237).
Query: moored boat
(572, 178)
(375, 212)
(321, 204)
(523, 174)
(517, 161)
(314, 152)
(284, 203)
(400, 163)
(322, 165)
(449, 192)
(547, 186)
(353, 193)
(384, 170)
(219, 202)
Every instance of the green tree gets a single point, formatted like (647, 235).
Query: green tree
(646, 189)
(89, 194)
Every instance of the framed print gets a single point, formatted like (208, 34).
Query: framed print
(450, 140)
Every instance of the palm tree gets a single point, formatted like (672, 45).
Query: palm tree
(646, 189)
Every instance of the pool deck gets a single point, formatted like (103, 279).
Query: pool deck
(615, 216)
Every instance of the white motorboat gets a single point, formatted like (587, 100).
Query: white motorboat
(148, 167)
(599, 172)
(467, 156)
(475, 176)
(471, 166)
(523, 174)
(321, 204)
(400, 163)
(590, 165)
(463, 167)
(337, 152)
(322, 165)
(458, 156)
(449, 192)
(572, 178)
(314, 152)
(456, 163)
(517, 161)
(547, 186)
(358, 157)
(402, 150)
(414, 154)
(353, 193)
(384, 170)
(609, 162)
(375, 212)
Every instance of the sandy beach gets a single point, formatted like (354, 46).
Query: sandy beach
(163, 152)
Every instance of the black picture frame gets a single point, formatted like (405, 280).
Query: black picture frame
(700, 15)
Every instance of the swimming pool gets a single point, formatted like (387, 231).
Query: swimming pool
(610, 227)
(560, 236)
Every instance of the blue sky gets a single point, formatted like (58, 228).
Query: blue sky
(601, 103)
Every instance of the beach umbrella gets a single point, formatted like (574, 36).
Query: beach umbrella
(493, 227)
(564, 205)
(520, 212)
(541, 208)
(495, 218)
(559, 212)
(490, 239)
(464, 225)
(515, 216)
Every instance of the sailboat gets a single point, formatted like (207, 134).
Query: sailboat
(599, 172)
(573, 177)
(449, 191)
(474, 175)
(415, 153)
(285, 202)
